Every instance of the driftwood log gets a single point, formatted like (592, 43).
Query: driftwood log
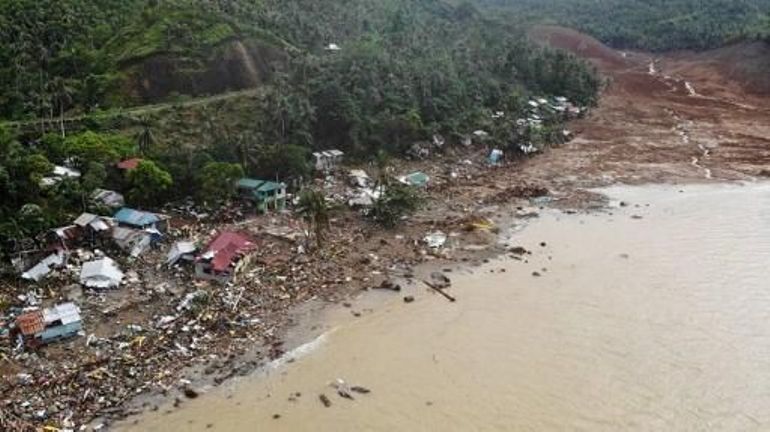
(440, 291)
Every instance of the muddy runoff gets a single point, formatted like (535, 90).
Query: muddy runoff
(652, 315)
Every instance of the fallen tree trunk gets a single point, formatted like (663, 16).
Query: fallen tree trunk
(440, 291)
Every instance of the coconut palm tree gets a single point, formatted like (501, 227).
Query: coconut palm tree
(315, 211)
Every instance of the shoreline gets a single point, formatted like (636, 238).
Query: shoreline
(334, 316)
(314, 320)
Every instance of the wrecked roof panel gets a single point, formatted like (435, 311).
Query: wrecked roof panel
(31, 323)
(85, 219)
(108, 197)
(178, 250)
(41, 269)
(103, 273)
(67, 313)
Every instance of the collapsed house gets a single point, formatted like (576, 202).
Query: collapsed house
(224, 257)
(101, 274)
(45, 267)
(181, 251)
(138, 231)
(264, 194)
(327, 160)
(59, 174)
(108, 198)
(42, 327)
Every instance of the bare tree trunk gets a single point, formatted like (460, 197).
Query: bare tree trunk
(61, 121)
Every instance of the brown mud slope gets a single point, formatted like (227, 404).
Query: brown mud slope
(677, 117)
(744, 66)
(582, 45)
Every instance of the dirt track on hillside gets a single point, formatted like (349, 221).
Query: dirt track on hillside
(669, 118)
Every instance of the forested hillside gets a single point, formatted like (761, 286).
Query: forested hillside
(360, 75)
(657, 25)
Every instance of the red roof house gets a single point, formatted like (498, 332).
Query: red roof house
(128, 164)
(224, 257)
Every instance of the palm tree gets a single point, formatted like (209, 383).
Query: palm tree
(315, 211)
(145, 138)
(62, 93)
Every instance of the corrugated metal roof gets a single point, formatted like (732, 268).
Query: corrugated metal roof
(268, 186)
(85, 219)
(260, 185)
(129, 164)
(137, 218)
(108, 197)
(103, 273)
(31, 323)
(67, 313)
(249, 183)
(41, 269)
(226, 247)
(179, 249)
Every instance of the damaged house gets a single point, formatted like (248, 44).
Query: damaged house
(45, 267)
(137, 219)
(224, 257)
(101, 274)
(108, 198)
(137, 230)
(327, 160)
(42, 327)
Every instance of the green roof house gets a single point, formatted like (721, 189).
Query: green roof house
(264, 193)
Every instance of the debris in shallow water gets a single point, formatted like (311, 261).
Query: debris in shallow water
(536, 274)
(389, 285)
(190, 393)
(440, 280)
(408, 299)
(636, 217)
(342, 389)
(440, 291)
(276, 416)
(325, 400)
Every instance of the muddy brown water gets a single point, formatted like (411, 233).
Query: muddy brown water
(654, 322)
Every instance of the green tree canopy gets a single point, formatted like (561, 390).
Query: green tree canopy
(148, 183)
(217, 181)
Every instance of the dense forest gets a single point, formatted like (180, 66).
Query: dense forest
(364, 76)
(657, 25)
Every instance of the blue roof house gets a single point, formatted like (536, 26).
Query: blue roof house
(138, 219)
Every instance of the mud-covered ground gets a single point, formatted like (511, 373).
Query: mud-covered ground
(661, 119)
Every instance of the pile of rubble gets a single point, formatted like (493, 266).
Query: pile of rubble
(141, 299)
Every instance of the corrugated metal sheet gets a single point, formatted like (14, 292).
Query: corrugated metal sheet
(41, 269)
(136, 218)
(67, 313)
(103, 273)
(30, 323)
(226, 247)
(85, 219)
